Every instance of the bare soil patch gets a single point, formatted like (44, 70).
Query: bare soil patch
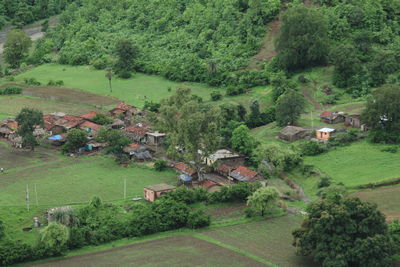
(171, 251)
(227, 211)
(387, 199)
(70, 95)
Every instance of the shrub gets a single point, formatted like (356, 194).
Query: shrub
(186, 195)
(215, 96)
(237, 192)
(390, 149)
(160, 165)
(55, 83)
(102, 119)
(233, 90)
(198, 219)
(11, 90)
(311, 148)
(31, 81)
(151, 106)
(324, 182)
(342, 139)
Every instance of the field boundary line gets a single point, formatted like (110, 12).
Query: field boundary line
(232, 248)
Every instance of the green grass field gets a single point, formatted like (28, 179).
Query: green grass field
(133, 91)
(12, 105)
(269, 239)
(358, 164)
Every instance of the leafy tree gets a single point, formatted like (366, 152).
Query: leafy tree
(27, 120)
(54, 238)
(16, 47)
(102, 119)
(191, 127)
(382, 114)
(278, 158)
(215, 96)
(76, 139)
(116, 140)
(345, 232)
(264, 199)
(347, 66)
(242, 141)
(160, 165)
(126, 52)
(280, 84)
(383, 64)
(303, 39)
(289, 108)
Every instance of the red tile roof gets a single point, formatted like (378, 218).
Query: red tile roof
(223, 168)
(208, 184)
(89, 116)
(246, 172)
(49, 121)
(139, 131)
(117, 111)
(183, 167)
(91, 125)
(13, 125)
(124, 107)
(325, 114)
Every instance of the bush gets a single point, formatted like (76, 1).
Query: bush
(124, 74)
(343, 139)
(31, 81)
(198, 219)
(390, 149)
(55, 83)
(11, 90)
(151, 106)
(233, 90)
(237, 192)
(215, 96)
(160, 165)
(311, 148)
(188, 196)
(102, 119)
(324, 182)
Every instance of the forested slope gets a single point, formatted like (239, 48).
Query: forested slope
(179, 39)
(22, 12)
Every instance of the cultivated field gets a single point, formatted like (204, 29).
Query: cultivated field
(358, 164)
(60, 179)
(12, 105)
(171, 251)
(388, 200)
(270, 240)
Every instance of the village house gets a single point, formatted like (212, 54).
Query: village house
(210, 186)
(226, 156)
(353, 120)
(187, 173)
(332, 117)
(137, 134)
(138, 152)
(127, 111)
(57, 140)
(92, 145)
(325, 133)
(89, 116)
(152, 192)
(292, 133)
(8, 127)
(155, 138)
(244, 174)
(117, 124)
(68, 122)
(90, 127)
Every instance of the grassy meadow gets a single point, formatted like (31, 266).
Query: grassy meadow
(358, 164)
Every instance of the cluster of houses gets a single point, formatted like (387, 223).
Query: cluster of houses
(294, 133)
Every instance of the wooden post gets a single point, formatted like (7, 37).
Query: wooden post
(27, 197)
(37, 201)
(125, 188)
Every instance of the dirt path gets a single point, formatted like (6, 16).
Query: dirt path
(309, 97)
(34, 31)
(267, 50)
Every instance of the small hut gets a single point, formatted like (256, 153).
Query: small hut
(292, 133)
(152, 192)
(325, 133)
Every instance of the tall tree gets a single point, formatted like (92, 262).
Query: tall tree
(191, 127)
(126, 52)
(27, 120)
(347, 65)
(16, 47)
(264, 199)
(242, 141)
(382, 113)
(289, 107)
(54, 238)
(76, 139)
(303, 38)
(345, 232)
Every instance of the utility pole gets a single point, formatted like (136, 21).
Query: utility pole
(125, 188)
(27, 197)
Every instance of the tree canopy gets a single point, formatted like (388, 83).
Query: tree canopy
(289, 107)
(345, 232)
(27, 120)
(16, 47)
(303, 39)
(264, 199)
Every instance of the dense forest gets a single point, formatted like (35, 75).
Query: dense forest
(22, 12)
(179, 39)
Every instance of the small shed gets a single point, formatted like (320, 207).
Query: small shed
(152, 192)
(292, 133)
(353, 120)
(226, 156)
(332, 117)
(243, 174)
(324, 133)
(155, 138)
